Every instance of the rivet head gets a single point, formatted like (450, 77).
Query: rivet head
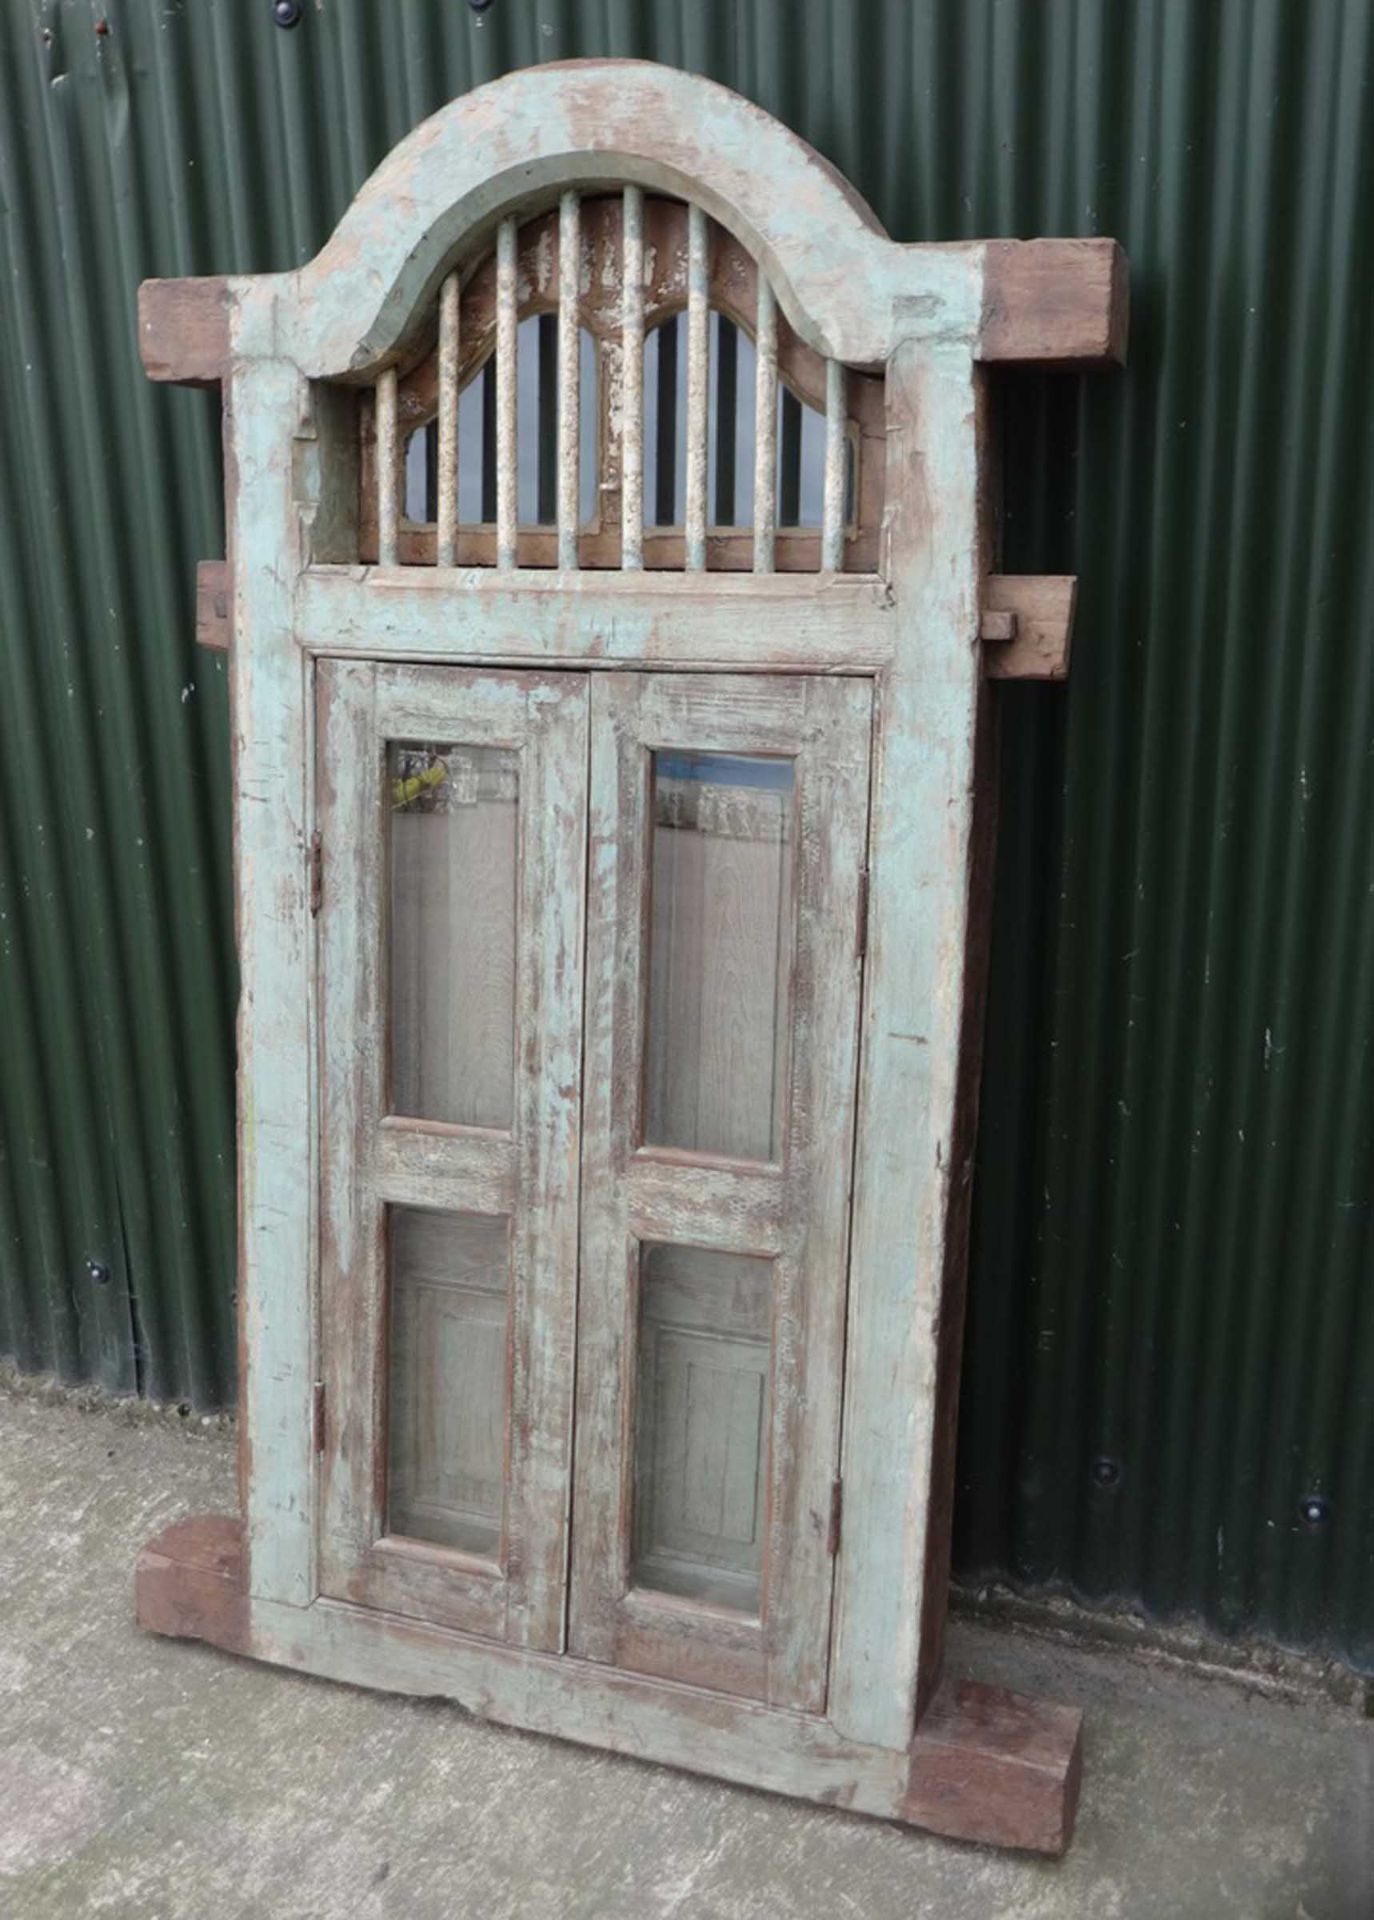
(97, 1273)
(1106, 1472)
(1315, 1509)
(286, 13)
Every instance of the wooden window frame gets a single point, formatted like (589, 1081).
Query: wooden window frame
(897, 1737)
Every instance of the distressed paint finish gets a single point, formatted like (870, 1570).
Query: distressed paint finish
(926, 315)
(698, 374)
(596, 299)
(569, 376)
(788, 623)
(792, 1210)
(919, 873)
(450, 348)
(270, 705)
(988, 1762)
(591, 124)
(373, 1158)
(765, 428)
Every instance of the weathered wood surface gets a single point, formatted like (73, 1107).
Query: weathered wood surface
(271, 709)
(183, 330)
(214, 595)
(1055, 303)
(790, 1204)
(921, 839)
(770, 623)
(1042, 608)
(979, 1766)
(985, 1764)
(191, 1582)
(728, 283)
(517, 1591)
(989, 1764)
(597, 302)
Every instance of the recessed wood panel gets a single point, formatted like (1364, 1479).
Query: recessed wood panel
(702, 1424)
(447, 1373)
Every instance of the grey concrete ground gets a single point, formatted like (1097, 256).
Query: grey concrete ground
(142, 1777)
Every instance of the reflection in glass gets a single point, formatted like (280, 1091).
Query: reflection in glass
(720, 950)
(447, 1368)
(703, 1417)
(453, 813)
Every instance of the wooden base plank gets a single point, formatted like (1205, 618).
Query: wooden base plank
(985, 1764)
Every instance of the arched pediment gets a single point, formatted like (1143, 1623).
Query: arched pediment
(523, 139)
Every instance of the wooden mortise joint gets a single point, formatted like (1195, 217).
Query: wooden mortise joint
(1027, 625)
(212, 605)
(183, 330)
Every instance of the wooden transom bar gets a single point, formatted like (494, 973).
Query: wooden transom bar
(610, 610)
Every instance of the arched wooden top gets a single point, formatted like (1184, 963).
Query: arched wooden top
(522, 139)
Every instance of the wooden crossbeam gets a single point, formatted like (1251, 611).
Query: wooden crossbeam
(183, 330)
(1061, 303)
(1057, 303)
(1027, 624)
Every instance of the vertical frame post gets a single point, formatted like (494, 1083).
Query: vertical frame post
(904, 1286)
(273, 748)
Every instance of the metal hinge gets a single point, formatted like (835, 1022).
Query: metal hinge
(832, 1541)
(862, 947)
(316, 872)
(317, 1416)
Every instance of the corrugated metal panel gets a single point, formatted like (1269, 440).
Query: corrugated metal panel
(1173, 1219)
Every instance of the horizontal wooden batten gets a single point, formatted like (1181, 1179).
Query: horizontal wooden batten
(778, 622)
(732, 1208)
(985, 1764)
(450, 1167)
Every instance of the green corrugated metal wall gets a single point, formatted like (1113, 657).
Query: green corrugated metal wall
(1174, 1188)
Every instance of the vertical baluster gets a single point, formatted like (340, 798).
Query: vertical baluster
(832, 510)
(506, 495)
(388, 469)
(569, 376)
(446, 550)
(697, 390)
(765, 428)
(632, 382)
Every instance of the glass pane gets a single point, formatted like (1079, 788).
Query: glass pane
(453, 935)
(701, 1446)
(720, 950)
(447, 1418)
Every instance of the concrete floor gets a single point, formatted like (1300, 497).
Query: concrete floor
(150, 1778)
